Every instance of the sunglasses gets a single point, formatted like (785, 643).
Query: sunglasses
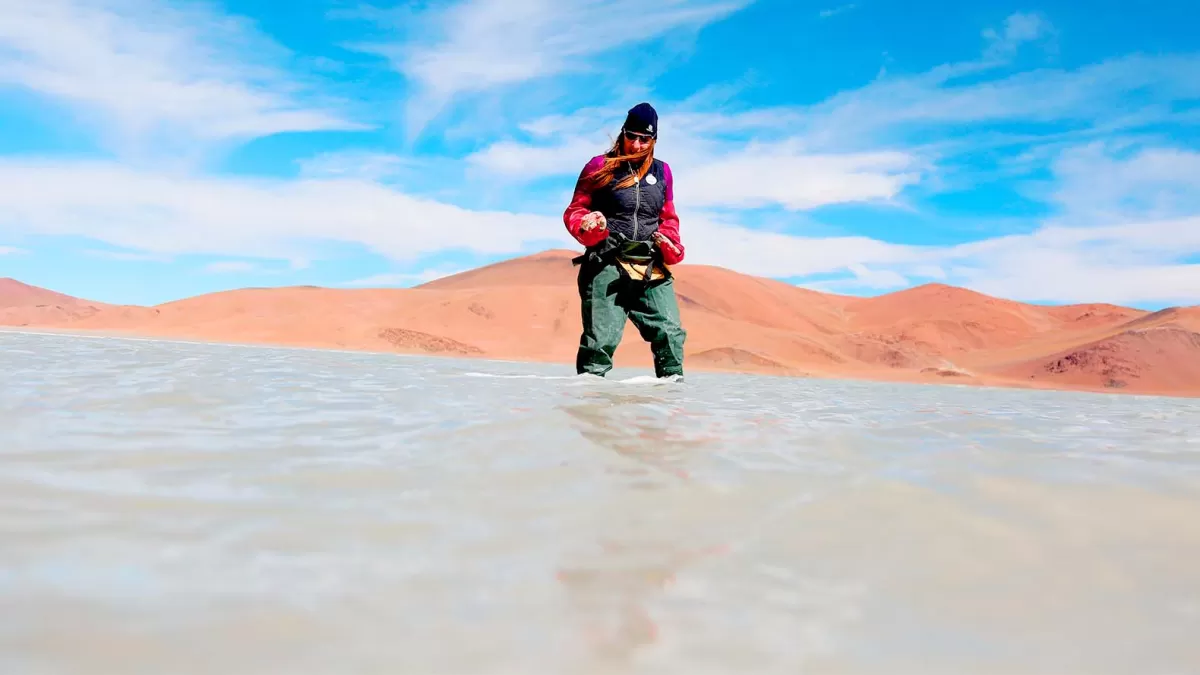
(633, 136)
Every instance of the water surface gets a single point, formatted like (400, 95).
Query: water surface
(188, 508)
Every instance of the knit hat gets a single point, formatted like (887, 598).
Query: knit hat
(642, 119)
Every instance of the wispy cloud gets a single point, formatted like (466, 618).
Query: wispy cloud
(959, 108)
(156, 79)
(127, 256)
(1120, 200)
(930, 129)
(1127, 261)
(715, 171)
(275, 219)
(784, 175)
(478, 45)
(1121, 255)
(10, 250)
(230, 267)
(524, 161)
(1106, 183)
(1138, 262)
(356, 164)
(1019, 28)
(403, 279)
(834, 11)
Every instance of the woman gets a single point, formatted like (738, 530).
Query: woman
(623, 212)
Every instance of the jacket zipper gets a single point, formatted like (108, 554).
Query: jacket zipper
(637, 204)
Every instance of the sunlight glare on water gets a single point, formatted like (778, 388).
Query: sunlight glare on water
(188, 508)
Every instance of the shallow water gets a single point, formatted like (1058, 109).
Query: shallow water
(187, 508)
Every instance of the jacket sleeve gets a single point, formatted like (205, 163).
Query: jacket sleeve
(581, 205)
(669, 220)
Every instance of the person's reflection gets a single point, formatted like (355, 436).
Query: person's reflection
(608, 591)
(629, 425)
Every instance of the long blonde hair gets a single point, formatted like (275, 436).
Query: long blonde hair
(614, 158)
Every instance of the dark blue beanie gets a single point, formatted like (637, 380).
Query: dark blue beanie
(642, 119)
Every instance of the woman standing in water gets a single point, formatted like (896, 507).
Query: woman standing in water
(623, 211)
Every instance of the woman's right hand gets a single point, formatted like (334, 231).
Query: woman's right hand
(592, 221)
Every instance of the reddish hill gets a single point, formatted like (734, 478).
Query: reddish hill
(956, 320)
(548, 268)
(527, 309)
(1181, 317)
(14, 293)
(25, 305)
(1163, 347)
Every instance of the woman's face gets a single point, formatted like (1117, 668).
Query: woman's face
(634, 142)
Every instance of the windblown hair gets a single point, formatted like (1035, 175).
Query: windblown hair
(613, 159)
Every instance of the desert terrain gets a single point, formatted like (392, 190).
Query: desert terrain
(527, 309)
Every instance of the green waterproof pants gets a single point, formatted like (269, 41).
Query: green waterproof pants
(607, 299)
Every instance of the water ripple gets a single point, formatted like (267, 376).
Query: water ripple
(182, 507)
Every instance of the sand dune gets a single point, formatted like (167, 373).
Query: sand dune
(527, 309)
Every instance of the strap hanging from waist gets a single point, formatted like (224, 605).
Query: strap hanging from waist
(617, 246)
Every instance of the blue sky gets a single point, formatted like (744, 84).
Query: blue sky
(1047, 152)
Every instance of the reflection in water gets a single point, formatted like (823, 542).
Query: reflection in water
(610, 586)
(609, 593)
(645, 429)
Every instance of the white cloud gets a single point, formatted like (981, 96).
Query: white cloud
(9, 250)
(784, 175)
(710, 241)
(888, 111)
(477, 45)
(518, 160)
(257, 218)
(1129, 263)
(581, 122)
(1104, 183)
(1019, 28)
(872, 143)
(1129, 232)
(156, 78)
(715, 172)
(872, 278)
(1132, 261)
(361, 164)
(1109, 96)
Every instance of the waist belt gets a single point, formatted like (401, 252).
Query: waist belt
(637, 260)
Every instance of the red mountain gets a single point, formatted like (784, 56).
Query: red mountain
(527, 309)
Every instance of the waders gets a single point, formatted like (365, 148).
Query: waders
(619, 280)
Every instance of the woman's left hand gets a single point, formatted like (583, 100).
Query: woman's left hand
(662, 241)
